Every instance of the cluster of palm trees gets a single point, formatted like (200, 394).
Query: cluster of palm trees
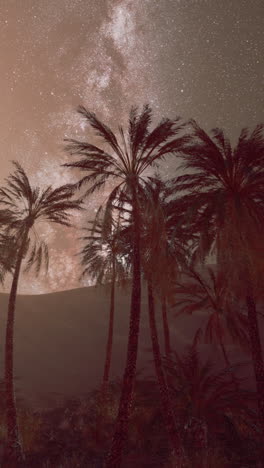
(156, 229)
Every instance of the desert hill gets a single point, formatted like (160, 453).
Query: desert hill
(60, 341)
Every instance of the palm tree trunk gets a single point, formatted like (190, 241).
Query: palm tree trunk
(13, 449)
(166, 326)
(110, 332)
(114, 458)
(257, 356)
(222, 346)
(227, 362)
(103, 394)
(167, 410)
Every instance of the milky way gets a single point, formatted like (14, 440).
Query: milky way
(200, 59)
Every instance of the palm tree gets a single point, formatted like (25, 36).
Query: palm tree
(126, 164)
(102, 260)
(165, 241)
(205, 399)
(160, 259)
(207, 291)
(26, 206)
(225, 189)
(163, 252)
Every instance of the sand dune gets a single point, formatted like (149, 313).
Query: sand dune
(60, 341)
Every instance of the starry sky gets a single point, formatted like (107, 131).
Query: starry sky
(194, 58)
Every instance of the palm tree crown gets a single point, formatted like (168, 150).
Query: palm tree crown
(103, 250)
(24, 205)
(225, 190)
(129, 158)
(225, 318)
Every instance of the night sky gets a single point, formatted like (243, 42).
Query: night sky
(200, 59)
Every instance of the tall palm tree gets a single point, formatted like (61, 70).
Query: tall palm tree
(102, 260)
(163, 244)
(159, 257)
(165, 240)
(225, 186)
(159, 262)
(26, 205)
(126, 165)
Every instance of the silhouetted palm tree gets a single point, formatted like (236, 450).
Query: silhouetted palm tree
(207, 291)
(163, 252)
(102, 260)
(225, 189)
(160, 262)
(159, 259)
(165, 240)
(26, 205)
(126, 164)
